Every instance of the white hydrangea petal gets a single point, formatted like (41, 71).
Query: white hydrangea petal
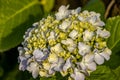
(59, 65)
(76, 11)
(35, 73)
(34, 69)
(91, 66)
(82, 65)
(77, 75)
(67, 42)
(89, 57)
(83, 48)
(108, 51)
(87, 35)
(81, 18)
(52, 35)
(73, 34)
(65, 25)
(38, 54)
(92, 19)
(57, 48)
(99, 59)
(71, 48)
(67, 65)
(99, 23)
(103, 33)
(53, 58)
(62, 13)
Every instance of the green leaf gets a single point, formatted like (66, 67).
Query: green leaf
(102, 73)
(113, 25)
(15, 17)
(117, 72)
(47, 5)
(95, 5)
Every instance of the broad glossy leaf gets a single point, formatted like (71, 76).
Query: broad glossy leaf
(113, 25)
(95, 5)
(102, 73)
(15, 17)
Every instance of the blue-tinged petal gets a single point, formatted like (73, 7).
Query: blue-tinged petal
(91, 66)
(99, 59)
(23, 65)
(89, 58)
(67, 65)
(77, 75)
(40, 55)
(34, 69)
(59, 65)
(76, 11)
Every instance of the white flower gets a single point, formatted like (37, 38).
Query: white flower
(62, 13)
(35, 24)
(77, 75)
(67, 65)
(65, 25)
(103, 33)
(88, 63)
(76, 11)
(39, 55)
(52, 35)
(99, 57)
(70, 44)
(94, 19)
(73, 34)
(83, 48)
(87, 35)
(53, 58)
(34, 68)
(57, 66)
(57, 48)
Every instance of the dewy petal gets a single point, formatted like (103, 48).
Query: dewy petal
(83, 48)
(67, 65)
(77, 75)
(99, 59)
(91, 66)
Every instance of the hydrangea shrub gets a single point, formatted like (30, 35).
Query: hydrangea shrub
(72, 42)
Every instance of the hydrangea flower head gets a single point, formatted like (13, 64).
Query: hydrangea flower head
(70, 42)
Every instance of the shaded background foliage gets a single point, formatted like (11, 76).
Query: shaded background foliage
(8, 49)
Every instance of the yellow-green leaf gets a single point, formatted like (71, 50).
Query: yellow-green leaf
(15, 17)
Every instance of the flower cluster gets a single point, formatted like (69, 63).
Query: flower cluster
(70, 42)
